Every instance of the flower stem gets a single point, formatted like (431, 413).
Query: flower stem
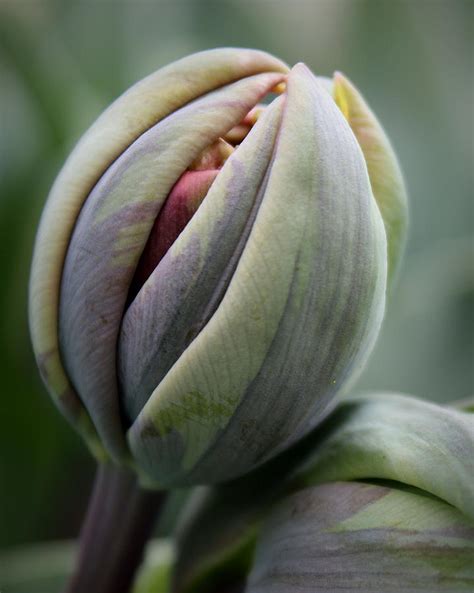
(118, 523)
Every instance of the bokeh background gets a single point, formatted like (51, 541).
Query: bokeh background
(62, 63)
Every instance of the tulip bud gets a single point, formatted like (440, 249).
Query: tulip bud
(208, 273)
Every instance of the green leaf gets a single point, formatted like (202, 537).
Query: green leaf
(374, 437)
(396, 437)
(363, 537)
(45, 568)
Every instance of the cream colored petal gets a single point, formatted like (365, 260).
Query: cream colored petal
(382, 164)
(298, 319)
(111, 232)
(142, 106)
(396, 437)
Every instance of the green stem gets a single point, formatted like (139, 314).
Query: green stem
(118, 523)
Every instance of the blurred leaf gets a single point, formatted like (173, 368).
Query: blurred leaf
(42, 568)
(45, 567)
(427, 342)
(154, 574)
(395, 437)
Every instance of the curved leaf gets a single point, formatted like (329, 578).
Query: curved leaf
(395, 437)
(361, 537)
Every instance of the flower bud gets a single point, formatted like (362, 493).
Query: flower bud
(208, 273)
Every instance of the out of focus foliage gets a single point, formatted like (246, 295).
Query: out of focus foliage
(61, 63)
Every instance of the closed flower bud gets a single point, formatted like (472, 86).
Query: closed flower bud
(209, 271)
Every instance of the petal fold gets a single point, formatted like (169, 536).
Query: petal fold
(141, 107)
(189, 283)
(298, 319)
(396, 437)
(382, 164)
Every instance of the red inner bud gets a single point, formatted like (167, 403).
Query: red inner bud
(181, 204)
(185, 198)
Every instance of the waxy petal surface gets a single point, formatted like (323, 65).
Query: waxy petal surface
(300, 314)
(111, 232)
(382, 164)
(189, 283)
(142, 106)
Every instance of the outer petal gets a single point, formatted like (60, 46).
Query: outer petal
(359, 537)
(384, 171)
(112, 230)
(187, 286)
(299, 317)
(396, 437)
(125, 120)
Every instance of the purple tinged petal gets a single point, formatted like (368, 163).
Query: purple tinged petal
(111, 232)
(298, 319)
(143, 105)
(187, 286)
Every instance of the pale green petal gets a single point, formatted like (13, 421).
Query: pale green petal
(384, 170)
(352, 537)
(298, 319)
(111, 232)
(125, 120)
(188, 284)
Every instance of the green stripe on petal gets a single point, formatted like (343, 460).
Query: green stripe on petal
(395, 437)
(359, 537)
(300, 314)
(122, 123)
(384, 170)
(188, 284)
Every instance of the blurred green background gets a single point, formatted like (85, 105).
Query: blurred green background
(62, 63)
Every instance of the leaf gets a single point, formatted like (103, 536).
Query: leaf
(396, 437)
(362, 537)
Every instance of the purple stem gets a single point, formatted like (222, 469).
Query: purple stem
(119, 520)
